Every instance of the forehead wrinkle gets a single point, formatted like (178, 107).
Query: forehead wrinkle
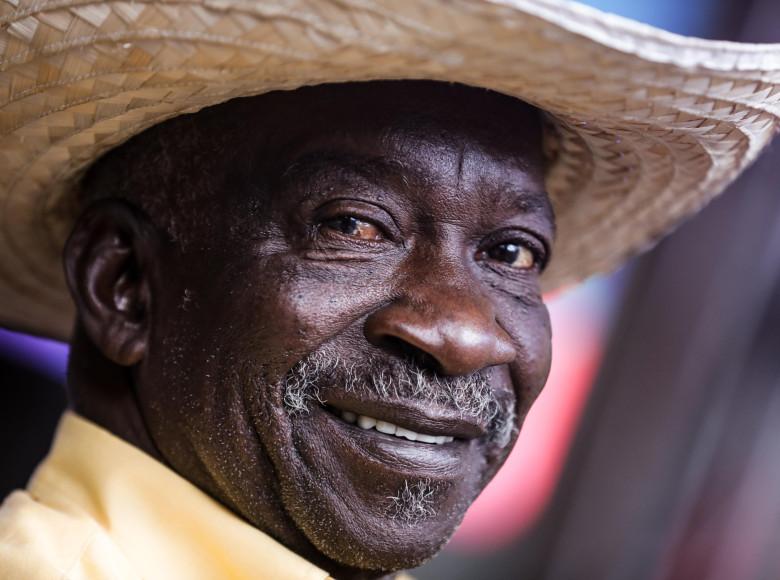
(383, 170)
(373, 168)
(451, 158)
(390, 167)
(461, 163)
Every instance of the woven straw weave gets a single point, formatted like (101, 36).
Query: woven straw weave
(647, 126)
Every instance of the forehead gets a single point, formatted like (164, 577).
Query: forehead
(424, 134)
(428, 136)
(391, 114)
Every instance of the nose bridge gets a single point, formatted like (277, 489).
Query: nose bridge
(454, 324)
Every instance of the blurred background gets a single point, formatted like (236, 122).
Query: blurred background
(654, 451)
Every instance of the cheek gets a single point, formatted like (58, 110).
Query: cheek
(196, 387)
(286, 310)
(531, 331)
(260, 311)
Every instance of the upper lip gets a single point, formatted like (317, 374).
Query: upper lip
(418, 416)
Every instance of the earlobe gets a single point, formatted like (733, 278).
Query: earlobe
(107, 267)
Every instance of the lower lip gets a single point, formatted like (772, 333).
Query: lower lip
(409, 458)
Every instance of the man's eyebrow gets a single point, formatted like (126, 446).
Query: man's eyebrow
(378, 168)
(534, 202)
(527, 202)
(371, 168)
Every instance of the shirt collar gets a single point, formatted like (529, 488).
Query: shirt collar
(166, 527)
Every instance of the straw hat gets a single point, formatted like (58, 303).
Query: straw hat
(646, 126)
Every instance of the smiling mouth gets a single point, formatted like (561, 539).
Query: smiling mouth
(368, 423)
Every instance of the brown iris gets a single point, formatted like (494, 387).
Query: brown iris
(353, 227)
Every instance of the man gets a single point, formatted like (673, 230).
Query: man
(309, 323)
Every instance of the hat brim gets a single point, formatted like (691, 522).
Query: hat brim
(647, 126)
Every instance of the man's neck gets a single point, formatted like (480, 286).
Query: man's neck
(103, 392)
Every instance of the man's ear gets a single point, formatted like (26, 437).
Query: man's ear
(108, 266)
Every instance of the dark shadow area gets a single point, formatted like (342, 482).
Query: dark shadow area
(32, 404)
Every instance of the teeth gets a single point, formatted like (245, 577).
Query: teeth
(385, 427)
(365, 422)
(410, 435)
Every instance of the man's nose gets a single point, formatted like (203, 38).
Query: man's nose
(458, 331)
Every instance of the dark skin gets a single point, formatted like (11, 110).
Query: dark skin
(402, 221)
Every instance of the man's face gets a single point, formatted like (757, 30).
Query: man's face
(370, 261)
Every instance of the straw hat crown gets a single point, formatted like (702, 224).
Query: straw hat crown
(646, 126)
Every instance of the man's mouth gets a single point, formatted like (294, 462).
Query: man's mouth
(368, 423)
(409, 422)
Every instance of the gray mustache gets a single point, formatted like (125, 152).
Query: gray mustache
(470, 395)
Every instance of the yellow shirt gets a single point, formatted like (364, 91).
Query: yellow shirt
(98, 507)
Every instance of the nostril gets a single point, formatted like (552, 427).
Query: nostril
(406, 351)
(445, 339)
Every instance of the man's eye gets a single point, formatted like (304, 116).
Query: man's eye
(514, 255)
(353, 227)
